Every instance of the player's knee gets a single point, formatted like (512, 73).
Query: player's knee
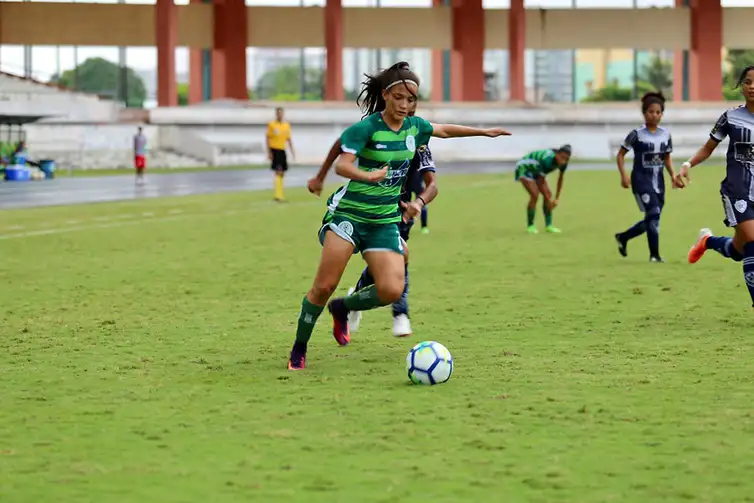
(390, 291)
(322, 290)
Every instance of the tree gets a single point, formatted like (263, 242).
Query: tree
(103, 77)
(183, 94)
(611, 92)
(657, 75)
(284, 84)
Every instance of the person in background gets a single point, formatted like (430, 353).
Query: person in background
(278, 138)
(140, 151)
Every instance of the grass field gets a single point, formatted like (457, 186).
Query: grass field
(144, 347)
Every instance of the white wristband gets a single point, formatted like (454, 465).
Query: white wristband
(686, 164)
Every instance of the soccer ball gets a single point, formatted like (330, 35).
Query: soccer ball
(429, 362)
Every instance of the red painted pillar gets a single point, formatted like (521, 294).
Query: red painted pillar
(438, 78)
(706, 75)
(229, 50)
(678, 73)
(166, 35)
(196, 77)
(516, 48)
(334, 47)
(467, 79)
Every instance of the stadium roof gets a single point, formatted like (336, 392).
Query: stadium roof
(20, 119)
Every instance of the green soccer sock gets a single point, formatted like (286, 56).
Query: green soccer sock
(363, 300)
(530, 212)
(306, 320)
(548, 214)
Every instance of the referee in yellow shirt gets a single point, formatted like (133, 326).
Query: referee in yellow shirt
(278, 135)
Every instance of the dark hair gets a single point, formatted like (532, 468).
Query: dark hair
(743, 75)
(370, 98)
(652, 98)
(563, 148)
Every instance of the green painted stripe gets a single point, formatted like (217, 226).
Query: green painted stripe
(374, 200)
(384, 136)
(373, 189)
(386, 155)
(371, 219)
(368, 212)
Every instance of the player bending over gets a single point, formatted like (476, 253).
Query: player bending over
(422, 167)
(737, 189)
(375, 156)
(531, 172)
(652, 146)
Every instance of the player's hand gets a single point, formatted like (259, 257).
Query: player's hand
(411, 210)
(625, 182)
(269, 155)
(678, 182)
(553, 203)
(683, 173)
(315, 186)
(495, 132)
(377, 175)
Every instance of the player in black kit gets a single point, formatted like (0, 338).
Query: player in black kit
(421, 169)
(652, 146)
(737, 189)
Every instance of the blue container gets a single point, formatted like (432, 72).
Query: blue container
(17, 174)
(48, 167)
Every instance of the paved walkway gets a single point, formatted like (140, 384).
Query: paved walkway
(64, 191)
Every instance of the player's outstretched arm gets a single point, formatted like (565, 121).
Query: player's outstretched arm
(346, 167)
(457, 131)
(316, 183)
(698, 158)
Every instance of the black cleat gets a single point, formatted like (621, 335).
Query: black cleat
(621, 246)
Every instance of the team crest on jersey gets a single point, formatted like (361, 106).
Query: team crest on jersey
(740, 206)
(744, 151)
(346, 227)
(410, 143)
(653, 159)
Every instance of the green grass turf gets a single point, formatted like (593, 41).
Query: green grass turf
(143, 358)
(64, 173)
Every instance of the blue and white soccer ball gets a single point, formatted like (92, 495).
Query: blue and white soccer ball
(429, 362)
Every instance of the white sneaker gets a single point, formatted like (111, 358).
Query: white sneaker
(354, 317)
(401, 326)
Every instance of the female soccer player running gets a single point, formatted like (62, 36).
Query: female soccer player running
(365, 212)
(422, 165)
(531, 172)
(652, 146)
(737, 189)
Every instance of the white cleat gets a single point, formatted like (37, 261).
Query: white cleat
(401, 326)
(354, 317)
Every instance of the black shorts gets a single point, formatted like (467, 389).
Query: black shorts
(405, 228)
(737, 210)
(650, 203)
(279, 160)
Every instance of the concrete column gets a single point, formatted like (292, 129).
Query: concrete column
(516, 48)
(334, 49)
(706, 74)
(166, 28)
(467, 60)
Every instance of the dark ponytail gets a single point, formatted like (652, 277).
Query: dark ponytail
(743, 75)
(370, 98)
(652, 98)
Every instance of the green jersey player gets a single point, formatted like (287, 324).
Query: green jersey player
(375, 157)
(531, 172)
